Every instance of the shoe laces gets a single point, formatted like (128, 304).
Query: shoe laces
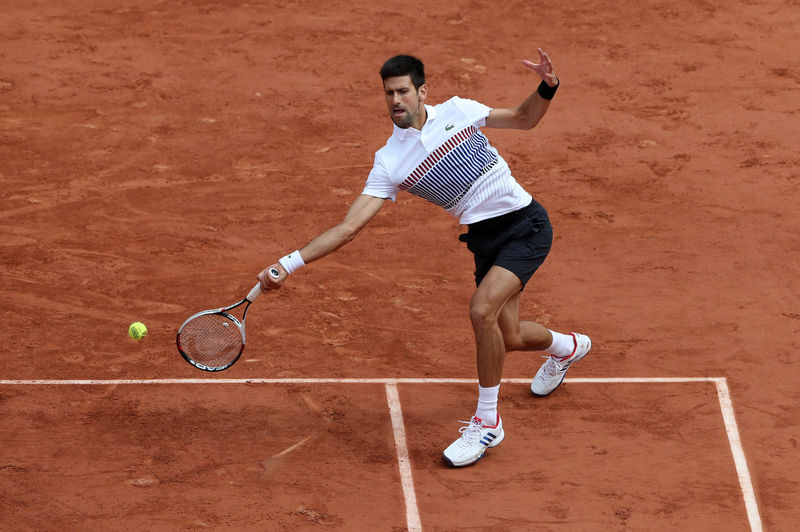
(469, 433)
(553, 367)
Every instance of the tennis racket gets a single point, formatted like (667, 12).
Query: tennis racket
(213, 340)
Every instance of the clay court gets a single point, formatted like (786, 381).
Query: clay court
(156, 156)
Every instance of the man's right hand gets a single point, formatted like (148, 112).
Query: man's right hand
(268, 282)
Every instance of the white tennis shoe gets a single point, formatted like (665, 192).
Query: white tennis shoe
(475, 439)
(553, 371)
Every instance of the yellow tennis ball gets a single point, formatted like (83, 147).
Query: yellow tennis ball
(137, 330)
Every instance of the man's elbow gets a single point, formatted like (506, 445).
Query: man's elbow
(347, 232)
(525, 121)
(348, 237)
(530, 121)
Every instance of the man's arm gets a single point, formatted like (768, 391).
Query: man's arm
(531, 111)
(363, 209)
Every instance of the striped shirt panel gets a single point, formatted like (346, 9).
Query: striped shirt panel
(445, 176)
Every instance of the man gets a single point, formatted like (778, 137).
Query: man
(440, 154)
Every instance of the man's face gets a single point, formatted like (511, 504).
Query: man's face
(405, 103)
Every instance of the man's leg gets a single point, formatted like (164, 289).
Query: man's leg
(522, 335)
(485, 429)
(490, 298)
(564, 349)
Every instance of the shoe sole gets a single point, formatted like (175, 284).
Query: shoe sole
(495, 443)
(450, 463)
(551, 391)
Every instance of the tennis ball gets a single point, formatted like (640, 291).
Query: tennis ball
(137, 330)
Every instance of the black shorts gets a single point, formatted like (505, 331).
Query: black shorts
(518, 241)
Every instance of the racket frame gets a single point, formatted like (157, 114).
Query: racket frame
(223, 311)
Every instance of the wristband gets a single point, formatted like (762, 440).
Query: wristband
(546, 91)
(292, 262)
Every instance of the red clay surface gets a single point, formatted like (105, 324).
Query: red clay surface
(155, 157)
(200, 456)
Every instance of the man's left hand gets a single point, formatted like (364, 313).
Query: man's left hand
(544, 68)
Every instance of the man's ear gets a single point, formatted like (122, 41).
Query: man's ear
(422, 92)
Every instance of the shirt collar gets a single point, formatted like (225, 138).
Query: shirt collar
(401, 133)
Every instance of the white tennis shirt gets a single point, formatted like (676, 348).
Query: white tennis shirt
(449, 163)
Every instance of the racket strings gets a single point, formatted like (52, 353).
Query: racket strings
(212, 340)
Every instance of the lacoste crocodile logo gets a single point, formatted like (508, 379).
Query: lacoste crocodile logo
(448, 128)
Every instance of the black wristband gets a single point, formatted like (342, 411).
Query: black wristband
(546, 91)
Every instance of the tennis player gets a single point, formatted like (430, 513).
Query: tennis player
(439, 153)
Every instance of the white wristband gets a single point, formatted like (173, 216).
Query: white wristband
(292, 262)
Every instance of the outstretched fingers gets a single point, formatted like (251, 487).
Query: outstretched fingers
(543, 57)
(544, 68)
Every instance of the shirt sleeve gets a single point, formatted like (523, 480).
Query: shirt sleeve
(475, 112)
(379, 184)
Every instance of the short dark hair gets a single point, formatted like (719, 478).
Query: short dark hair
(404, 65)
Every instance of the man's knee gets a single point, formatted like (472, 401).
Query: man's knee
(482, 313)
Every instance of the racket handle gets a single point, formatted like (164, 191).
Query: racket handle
(256, 291)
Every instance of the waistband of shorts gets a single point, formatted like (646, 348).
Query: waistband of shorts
(504, 219)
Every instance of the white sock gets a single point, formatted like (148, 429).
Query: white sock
(563, 345)
(487, 405)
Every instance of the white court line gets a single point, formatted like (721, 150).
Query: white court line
(723, 394)
(412, 513)
(609, 380)
(726, 405)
